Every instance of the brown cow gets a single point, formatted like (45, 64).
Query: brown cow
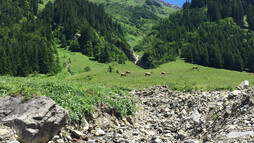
(163, 73)
(147, 74)
(195, 67)
(251, 73)
(128, 72)
(123, 74)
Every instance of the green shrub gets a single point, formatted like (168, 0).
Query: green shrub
(87, 69)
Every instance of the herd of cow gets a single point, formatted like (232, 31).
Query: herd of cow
(149, 74)
(162, 73)
(146, 73)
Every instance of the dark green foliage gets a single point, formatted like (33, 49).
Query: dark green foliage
(87, 69)
(95, 33)
(74, 47)
(26, 44)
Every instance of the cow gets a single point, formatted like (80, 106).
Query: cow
(251, 73)
(194, 67)
(128, 72)
(163, 73)
(147, 74)
(123, 74)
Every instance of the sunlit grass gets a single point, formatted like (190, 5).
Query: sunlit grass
(180, 75)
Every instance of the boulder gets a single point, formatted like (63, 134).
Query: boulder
(34, 121)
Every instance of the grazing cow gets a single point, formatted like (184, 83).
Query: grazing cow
(123, 74)
(147, 74)
(128, 72)
(251, 73)
(195, 67)
(163, 73)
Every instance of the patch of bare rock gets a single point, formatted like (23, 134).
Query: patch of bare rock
(166, 116)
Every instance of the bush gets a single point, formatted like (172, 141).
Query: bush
(87, 69)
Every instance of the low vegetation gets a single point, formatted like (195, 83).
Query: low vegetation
(79, 98)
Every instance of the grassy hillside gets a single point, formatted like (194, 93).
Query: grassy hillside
(180, 75)
(136, 16)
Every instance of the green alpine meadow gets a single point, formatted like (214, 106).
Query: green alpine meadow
(92, 56)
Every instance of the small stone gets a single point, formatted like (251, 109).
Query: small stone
(195, 116)
(125, 122)
(99, 132)
(78, 134)
(69, 138)
(157, 140)
(91, 141)
(135, 133)
(56, 137)
(120, 131)
(191, 141)
(60, 141)
(130, 119)
(15, 141)
(168, 135)
(85, 125)
(230, 127)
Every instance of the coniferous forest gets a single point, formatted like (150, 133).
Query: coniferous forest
(28, 37)
(215, 33)
(26, 43)
(97, 35)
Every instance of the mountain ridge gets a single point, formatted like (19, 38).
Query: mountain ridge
(168, 4)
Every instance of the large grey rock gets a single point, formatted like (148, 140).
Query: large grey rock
(34, 121)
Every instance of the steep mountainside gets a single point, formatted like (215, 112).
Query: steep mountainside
(137, 16)
(30, 30)
(88, 29)
(211, 33)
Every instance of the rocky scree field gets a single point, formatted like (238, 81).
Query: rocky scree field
(169, 116)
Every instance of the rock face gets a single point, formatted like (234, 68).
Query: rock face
(34, 121)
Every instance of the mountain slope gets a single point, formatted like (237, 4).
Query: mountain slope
(137, 16)
(211, 33)
(86, 28)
